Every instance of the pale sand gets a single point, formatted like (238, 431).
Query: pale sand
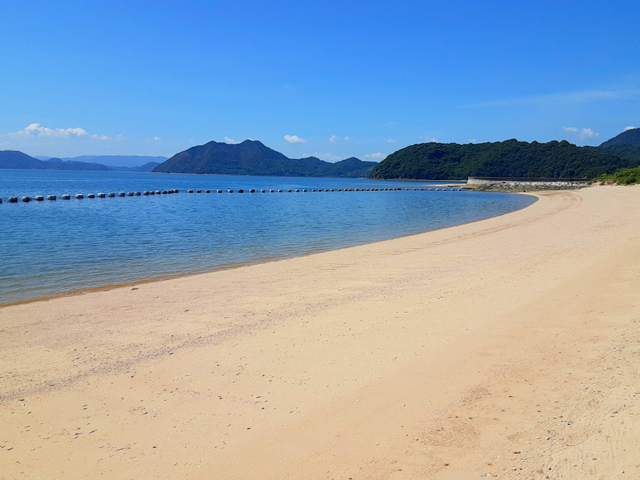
(508, 347)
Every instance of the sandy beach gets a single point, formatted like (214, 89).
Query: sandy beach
(504, 348)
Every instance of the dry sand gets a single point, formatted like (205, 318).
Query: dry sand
(505, 348)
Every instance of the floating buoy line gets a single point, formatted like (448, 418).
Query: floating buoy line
(146, 193)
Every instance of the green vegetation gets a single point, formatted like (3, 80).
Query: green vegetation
(254, 158)
(624, 176)
(629, 152)
(511, 158)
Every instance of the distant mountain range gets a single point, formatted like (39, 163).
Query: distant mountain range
(510, 158)
(436, 161)
(254, 158)
(112, 161)
(19, 160)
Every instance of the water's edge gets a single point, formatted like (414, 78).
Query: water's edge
(264, 260)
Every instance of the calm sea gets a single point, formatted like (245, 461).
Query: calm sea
(47, 248)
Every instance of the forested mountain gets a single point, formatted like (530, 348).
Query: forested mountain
(254, 158)
(511, 158)
(626, 145)
(628, 137)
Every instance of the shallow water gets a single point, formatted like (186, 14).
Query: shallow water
(47, 248)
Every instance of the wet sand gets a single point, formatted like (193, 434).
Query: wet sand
(504, 348)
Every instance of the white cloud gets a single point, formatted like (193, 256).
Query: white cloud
(157, 139)
(473, 140)
(35, 130)
(584, 133)
(374, 156)
(336, 139)
(629, 128)
(587, 133)
(294, 139)
(390, 140)
(429, 139)
(229, 140)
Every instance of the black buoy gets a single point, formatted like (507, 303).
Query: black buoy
(122, 194)
(66, 197)
(229, 191)
(218, 191)
(79, 196)
(91, 195)
(12, 199)
(26, 199)
(240, 191)
(137, 194)
(101, 195)
(207, 191)
(271, 191)
(252, 191)
(39, 198)
(198, 191)
(111, 194)
(263, 191)
(189, 191)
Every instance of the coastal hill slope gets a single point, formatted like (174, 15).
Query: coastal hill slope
(19, 160)
(511, 158)
(628, 137)
(252, 157)
(626, 145)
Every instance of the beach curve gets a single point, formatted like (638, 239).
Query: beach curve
(502, 348)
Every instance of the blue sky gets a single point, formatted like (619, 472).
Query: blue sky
(331, 79)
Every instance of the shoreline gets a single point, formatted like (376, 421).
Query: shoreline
(476, 350)
(265, 260)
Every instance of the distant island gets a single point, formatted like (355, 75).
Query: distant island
(510, 158)
(252, 157)
(18, 160)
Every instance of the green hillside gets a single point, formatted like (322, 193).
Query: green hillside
(254, 158)
(511, 158)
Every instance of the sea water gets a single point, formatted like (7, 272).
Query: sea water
(52, 247)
